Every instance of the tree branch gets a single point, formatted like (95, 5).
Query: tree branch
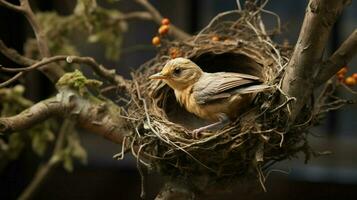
(11, 80)
(93, 114)
(339, 58)
(136, 15)
(13, 55)
(43, 170)
(319, 19)
(100, 70)
(157, 17)
(11, 6)
(52, 72)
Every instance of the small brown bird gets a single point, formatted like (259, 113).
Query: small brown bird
(217, 97)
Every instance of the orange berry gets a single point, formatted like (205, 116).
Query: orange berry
(350, 81)
(215, 38)
(165, 21)
(156, 41)
(354, 75)
(164, 29)
(343, 70)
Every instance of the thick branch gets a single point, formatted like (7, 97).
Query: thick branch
(319, 19)
(340, 58)
(92, 114)
(157, 17)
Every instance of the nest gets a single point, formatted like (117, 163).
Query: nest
(235, 41)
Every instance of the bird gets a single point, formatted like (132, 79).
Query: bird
(218, 97)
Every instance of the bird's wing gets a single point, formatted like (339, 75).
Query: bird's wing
(215, 86)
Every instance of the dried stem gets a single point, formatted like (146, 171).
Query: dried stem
(339, 58)
(157, 17)
(44, 170)
(319, 19)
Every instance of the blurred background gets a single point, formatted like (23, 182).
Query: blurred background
(326, 177)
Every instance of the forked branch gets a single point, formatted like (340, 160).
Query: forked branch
(51, 71)
(319, 19)
(339, 58)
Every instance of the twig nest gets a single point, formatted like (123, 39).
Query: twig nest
(163, 140)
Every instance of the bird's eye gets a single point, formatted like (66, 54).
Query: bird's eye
(177, 71)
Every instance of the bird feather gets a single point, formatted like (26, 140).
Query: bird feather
(222, 85)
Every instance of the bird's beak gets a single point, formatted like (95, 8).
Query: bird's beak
(158, 76)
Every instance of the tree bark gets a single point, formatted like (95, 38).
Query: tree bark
(95, 115)
(319, 19)
(339, 58)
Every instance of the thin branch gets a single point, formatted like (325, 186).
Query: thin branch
(136, 15)
(157, 17)
(52, 72)
(40, 35)
(11, 6)
(43, 170)
(11, 80)
(100, 70)
(319, 19)
(13, 55)
(93, 114)
(339, 58)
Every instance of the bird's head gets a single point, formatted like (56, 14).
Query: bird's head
(179, 73)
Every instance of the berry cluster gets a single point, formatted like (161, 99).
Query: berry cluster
(350, 80)
(163, 30)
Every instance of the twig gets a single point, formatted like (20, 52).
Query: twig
(109, 75)
(13, 55)
(52, 72)
(157, 17)
(136, 15)
(100, 70)
(11, 6)
(319, 19)
(44, 170)
(239, 7)
(216, 18)
(11, 80)
(339, 58)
